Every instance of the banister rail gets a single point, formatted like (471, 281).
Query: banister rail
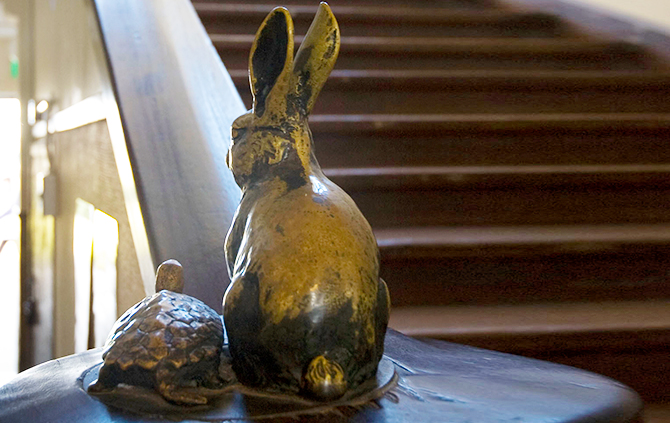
(176, 102)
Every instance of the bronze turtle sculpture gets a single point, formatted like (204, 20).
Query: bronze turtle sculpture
(169, 342)
(166, 357)
(306, 312)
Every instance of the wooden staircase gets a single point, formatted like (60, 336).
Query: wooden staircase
(516, 173)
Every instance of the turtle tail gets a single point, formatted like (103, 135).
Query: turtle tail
(324, 379)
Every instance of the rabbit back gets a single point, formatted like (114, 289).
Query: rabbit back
(303, 239)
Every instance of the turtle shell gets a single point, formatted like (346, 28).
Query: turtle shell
(167, 341)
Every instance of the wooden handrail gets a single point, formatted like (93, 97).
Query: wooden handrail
(176, 103)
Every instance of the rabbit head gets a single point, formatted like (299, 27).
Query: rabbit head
(273, 138)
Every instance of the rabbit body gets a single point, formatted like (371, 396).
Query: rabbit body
(306, 311)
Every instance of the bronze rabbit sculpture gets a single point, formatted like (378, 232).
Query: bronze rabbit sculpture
(306, 311)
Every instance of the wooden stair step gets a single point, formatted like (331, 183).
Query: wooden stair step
(445, 45)
(514, 206)
(441, 52)
(625, 340)
(523, 264)
(531, 195)
(487, 79)
(487, 92)
(499, 177)
(545, 326)
(416, 145)
(416, 124)
(558, 275)
(337, 3)
(511, 241)
(361, 20)
(491, 139)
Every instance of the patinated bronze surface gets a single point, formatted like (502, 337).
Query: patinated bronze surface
(234, 401)
(169, 342)
(438, 383)
(167, 356)
(306, 311)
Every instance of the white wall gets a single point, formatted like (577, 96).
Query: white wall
(9, 31)
(66, 65)
(653, 12)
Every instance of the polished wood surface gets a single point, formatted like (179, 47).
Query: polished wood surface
(176, 104)
(438, 382)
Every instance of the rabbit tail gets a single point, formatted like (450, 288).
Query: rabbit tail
(324, 379)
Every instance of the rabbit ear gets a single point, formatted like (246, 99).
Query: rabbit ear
(271, 61)
(314, 60)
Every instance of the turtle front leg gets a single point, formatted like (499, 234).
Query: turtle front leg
(183, 395)
(183, 388)
(170, 384)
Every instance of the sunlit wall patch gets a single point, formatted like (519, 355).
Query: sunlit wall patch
(10, 228)
(95, 247)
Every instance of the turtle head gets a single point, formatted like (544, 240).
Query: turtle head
(170, 276)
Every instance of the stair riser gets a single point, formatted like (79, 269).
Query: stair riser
(512, 280)
(237, 58)
(472, 148)
(235, 24)
(429, 100)
(524, 206)
(468, 4)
